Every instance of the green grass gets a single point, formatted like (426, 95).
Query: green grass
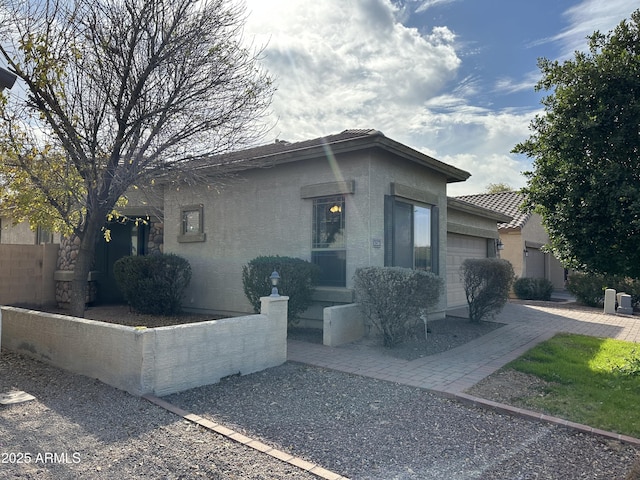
(593, 381)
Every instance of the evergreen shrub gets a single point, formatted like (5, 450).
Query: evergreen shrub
(589, 288)
(153, 284)
(533, 288)
(394, 298)
(487, 282)
(298, 278)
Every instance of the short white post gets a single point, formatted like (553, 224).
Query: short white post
(610, 301)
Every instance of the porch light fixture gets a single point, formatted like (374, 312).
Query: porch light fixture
(275, 279)
(526, 252)
(499, 245)
(335, 209)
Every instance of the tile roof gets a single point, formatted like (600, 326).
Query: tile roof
(503, 202)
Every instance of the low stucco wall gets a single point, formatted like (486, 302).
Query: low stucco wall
(342, 324)
(157, 360)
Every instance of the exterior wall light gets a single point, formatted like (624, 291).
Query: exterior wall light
(526, 252)
(499, 245)
(275, 279)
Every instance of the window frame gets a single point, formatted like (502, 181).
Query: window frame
(393, 205)
(330, 254)
(186, 236)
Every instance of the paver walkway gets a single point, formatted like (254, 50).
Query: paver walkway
(458, 369)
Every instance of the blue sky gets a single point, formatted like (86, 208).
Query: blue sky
(451, 78)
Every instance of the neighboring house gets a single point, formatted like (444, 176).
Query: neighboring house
(522, 238)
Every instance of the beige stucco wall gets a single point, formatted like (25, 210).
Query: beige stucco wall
(19, 233)
(261, 212)
(533, 235)
(513, 250)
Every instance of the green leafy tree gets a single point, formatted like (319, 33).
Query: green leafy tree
(498, 188)
(585, 181)
(119, 93)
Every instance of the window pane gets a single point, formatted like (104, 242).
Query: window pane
(403, 235)
(191, 222)
(422, 238)
(328, 222)
(411, 237)
(333, 267)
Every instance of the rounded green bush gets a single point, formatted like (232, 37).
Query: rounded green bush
(297, 280)
(153, 284)
(533, 288)
(394, 298)
(487, 282)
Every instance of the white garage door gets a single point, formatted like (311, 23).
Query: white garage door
(459, 248)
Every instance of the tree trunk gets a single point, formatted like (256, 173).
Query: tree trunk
(84, 260)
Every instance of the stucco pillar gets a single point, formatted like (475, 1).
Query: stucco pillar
(275, 308)
(610, 301)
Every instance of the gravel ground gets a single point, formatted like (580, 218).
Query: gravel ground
(442, 335)
(358, 427)
(98, 432)
(370, 429)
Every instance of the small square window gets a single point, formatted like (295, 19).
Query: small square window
(192, 225)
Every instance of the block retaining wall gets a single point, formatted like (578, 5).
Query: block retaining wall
(156, 360)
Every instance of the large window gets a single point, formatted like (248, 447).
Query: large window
(328, 243)
(411, 235)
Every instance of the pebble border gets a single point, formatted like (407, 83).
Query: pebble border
(312, 468)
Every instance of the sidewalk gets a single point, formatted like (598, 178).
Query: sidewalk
(456, 370)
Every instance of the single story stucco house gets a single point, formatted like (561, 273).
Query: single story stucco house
(353, 199)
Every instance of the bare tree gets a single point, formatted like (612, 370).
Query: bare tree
(119, 93)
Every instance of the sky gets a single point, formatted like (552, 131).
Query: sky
(453, 79)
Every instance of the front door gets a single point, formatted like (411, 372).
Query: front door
(107, 253)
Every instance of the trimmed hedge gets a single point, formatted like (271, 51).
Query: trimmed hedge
(487, 282)
(298, 278)
(533, 288)
(153, 284)
(394, 299)
(589, 288)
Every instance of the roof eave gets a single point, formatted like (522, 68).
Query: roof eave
(468, 207)
(371, 140)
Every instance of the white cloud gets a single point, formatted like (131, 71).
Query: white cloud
(585, 18)
(427, 4)
(354, 64)
(348, 64)
(526, 83)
